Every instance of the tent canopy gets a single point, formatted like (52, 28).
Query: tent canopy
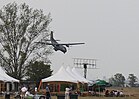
(6, 78)
(65, 75)
(81, 79)
(62, 75)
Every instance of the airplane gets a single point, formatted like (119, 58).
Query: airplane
(58, 46)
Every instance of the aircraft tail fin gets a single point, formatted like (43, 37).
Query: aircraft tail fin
(52, 35)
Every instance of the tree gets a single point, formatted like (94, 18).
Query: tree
(112, 81)
(132, 79)
(38, 70)
(20, 28)
(118, 80)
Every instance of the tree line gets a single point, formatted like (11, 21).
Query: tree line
(118, 80)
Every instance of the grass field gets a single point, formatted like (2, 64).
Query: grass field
(130, 93)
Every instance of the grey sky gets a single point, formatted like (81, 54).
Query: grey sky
(109, 28)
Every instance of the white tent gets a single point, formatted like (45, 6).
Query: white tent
(76, 75)
(61, 75)
(6, 78)
(82, 79)
(68, 69)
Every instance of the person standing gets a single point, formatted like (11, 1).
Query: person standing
(67, 93)
(36, 90)
(48, 95)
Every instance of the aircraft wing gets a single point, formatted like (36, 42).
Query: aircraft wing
(68, 44)
(44, 43)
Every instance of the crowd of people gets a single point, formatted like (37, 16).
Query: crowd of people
(114, 93)
(25, 93)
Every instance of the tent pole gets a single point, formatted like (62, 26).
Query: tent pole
(7, 87)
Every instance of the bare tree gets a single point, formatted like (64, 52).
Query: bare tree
(20, 28)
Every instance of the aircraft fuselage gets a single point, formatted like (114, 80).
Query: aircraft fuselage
(58, 46)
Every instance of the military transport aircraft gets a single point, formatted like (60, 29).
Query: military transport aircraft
(58, 46)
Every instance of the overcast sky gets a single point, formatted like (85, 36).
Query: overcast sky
(109, 29)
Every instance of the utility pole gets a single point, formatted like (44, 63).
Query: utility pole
(85, 63)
